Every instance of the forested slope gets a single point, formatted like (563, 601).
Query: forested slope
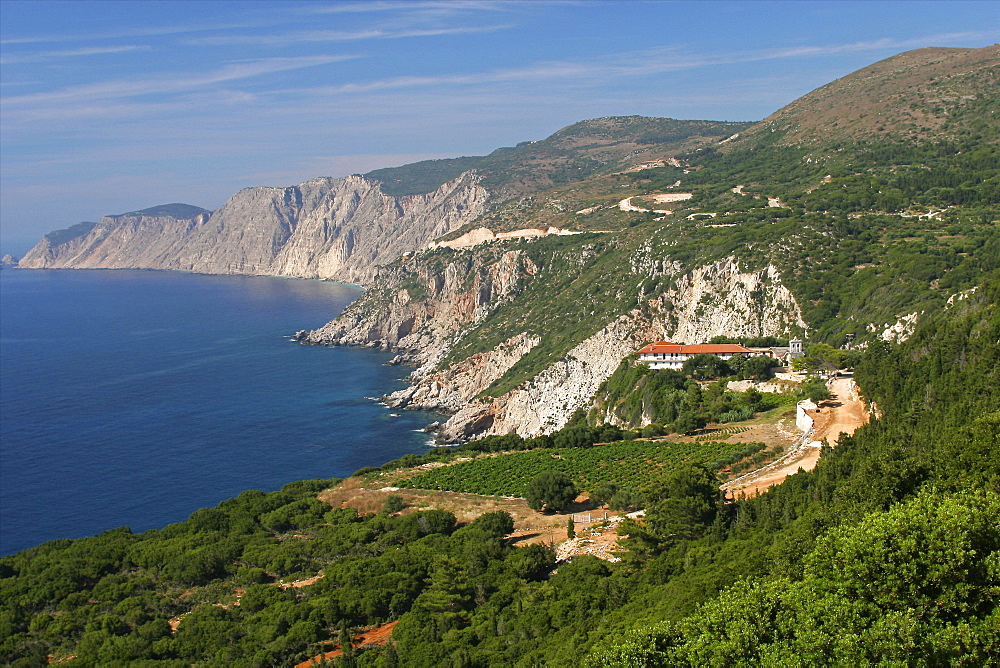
(888, 549)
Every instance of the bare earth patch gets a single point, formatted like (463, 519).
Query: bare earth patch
(376, 636)
(530, 526)
(843, 412)
(368, 496)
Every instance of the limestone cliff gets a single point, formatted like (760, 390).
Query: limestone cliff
(341, 229)
(424, 306)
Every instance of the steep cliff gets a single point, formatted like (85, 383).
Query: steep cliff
(433, 305)
(342, 229)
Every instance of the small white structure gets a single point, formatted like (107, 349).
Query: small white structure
(665, 355)
(795, 349)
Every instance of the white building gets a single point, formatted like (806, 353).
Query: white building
(664, 355)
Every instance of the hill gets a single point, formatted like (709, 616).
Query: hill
(926, 95)
(770, 233)
(886, 552)
(572, 154)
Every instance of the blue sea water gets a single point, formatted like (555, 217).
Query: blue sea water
(134, 398)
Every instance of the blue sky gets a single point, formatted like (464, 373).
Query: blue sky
(107, 107)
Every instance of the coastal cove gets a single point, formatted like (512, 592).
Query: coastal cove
(133, 398)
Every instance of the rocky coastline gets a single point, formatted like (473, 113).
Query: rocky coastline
(717, 298)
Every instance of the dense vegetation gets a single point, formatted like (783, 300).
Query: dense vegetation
(887, 552)
(889, 548)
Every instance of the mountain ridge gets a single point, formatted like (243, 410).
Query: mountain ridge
(852, 252)
(854, 235)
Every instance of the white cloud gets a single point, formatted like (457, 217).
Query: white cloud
(43, 56)
(103, 92)
(303, 36)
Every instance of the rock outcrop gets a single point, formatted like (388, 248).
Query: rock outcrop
(341, 229)
(423, 306)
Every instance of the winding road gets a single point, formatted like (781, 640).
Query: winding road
(842, 413)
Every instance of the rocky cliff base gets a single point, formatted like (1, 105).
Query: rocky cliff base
(423, 309)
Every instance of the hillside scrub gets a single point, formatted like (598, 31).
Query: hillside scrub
(887, 549)
(636, 395)
(887, 552)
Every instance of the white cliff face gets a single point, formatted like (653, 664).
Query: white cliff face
(341, 229)
(719, 299)
(547, 401)
(451, 390)
(708, 301)
(714, 299)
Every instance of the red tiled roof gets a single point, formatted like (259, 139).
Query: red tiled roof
(713, 348)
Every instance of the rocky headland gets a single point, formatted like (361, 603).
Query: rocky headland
(422, 314)
(342, 229)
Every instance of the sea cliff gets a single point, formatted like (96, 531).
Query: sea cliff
(341, 229)
(425, 307)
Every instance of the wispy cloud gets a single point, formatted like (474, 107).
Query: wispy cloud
(647, 62)
(299, 37)
(376, 7)
(132, 33)
(176, 83)
(44, 56)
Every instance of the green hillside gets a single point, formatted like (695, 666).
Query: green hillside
(887, 553)
(888, 550)
(926, 95)
(572, 154)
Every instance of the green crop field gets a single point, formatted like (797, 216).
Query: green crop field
(625, 463)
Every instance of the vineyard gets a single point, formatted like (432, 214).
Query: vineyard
(625, 464)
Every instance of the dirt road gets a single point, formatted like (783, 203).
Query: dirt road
(843, 412)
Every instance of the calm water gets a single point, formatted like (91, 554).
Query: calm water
(134, 398)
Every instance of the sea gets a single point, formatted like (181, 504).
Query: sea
(134, 398)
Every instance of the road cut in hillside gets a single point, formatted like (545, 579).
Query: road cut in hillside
(842, 413)
(375, 636)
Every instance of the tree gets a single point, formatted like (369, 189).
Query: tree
(687, 423)
(627, 499)
(815, 390)
(570, 528)
(551, 491)
(683, 503)
(393, 504)
(820, 357)
(759, 367)
(603, 493)
(704, 366)
(347, 659)
(737, 363)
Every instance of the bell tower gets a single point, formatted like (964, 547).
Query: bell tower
(795, 349)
